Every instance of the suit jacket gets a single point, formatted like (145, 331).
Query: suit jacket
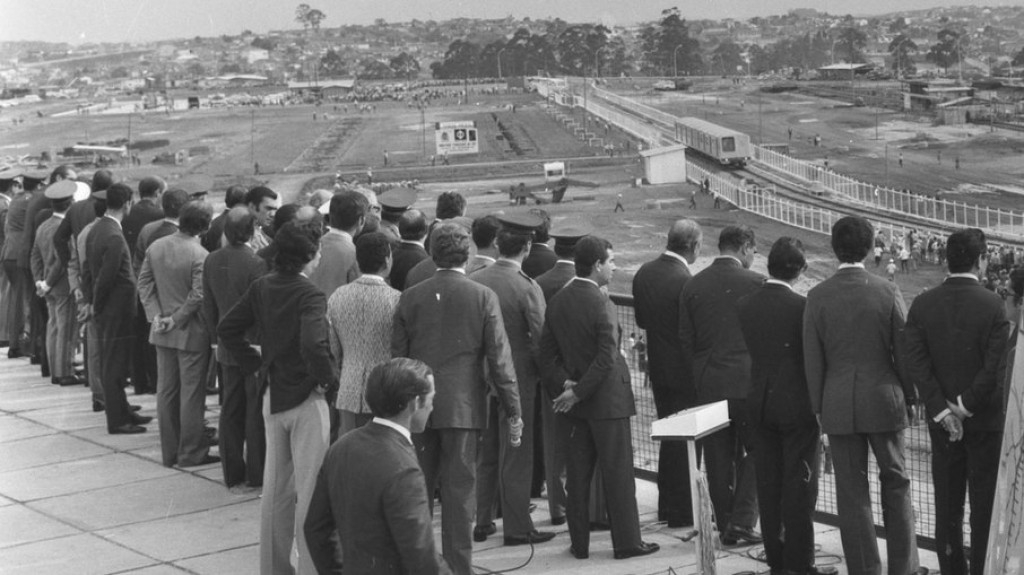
(361, 315)
(171, 284)
(581, 342)
(46, 266)
(772, 321)
(710, 331)
(403, 258)
(150, 233)
(522, 312)
(37, 203)
(337, 262)
(14, 229)
(107, 278)
(657, 287)
(420, 272)
(143, 212)
(79, 215)
(290, 314)
(213, 239)
(956, 339)
(454, 325)
(370, 490)
(227, 274)
(556, 278)
(541, 259)
(477, 263)
(854, 353)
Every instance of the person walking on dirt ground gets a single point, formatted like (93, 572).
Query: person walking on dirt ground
(369, 176)
(707, 185)
(718, 201)
(901, 159)
(693, 200)
(890, 270)
(386, 158)
(618, 204)
(790, 131)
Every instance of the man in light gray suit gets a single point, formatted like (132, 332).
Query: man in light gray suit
(171, 290)
(854, 354)
(337, 251)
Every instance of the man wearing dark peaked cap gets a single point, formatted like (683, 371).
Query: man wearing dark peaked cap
(393, 204)
(12, 182)
(541, 257)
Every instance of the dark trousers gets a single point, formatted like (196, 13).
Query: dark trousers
(114, 338)
(15, 303)
(243, 444)
(966, 466)
(143, 356)
(510, 470)
(787, 489)
(38, 317)
(853, 501)
(674, 503)
(732, 479)
(448, 459)
(606, 444)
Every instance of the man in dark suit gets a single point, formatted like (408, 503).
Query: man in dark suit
(956, 338)
(713, 346)
(787, 436)
(412, 228)
(227, 274)
(80, 214)
(370, 488)
(296, 373)
(541, 257)
(20, 283)
(503, 469)
(589, 379)
(454, 325)
(36, 212)
(657, 286)
(171, 203)
(146, 210)
(213, 239)
(854, 355)
(485, 237)
(337, 251)
(108, 282)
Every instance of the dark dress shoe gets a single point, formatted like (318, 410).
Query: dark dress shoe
(531, 537)
(141, 419)
(644, 548)
(97, 405)
(558, 520)
(68, 381)
(734, 535)
(128, 429)
(600, 526)
(35, 360)
(14, 353)
(482, 532)
(207, 460)
(134, 407)
(584, 554)
(55, 380)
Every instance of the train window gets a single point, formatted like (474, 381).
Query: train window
(729, 144)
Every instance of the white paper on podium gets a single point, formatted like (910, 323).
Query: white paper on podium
(692, 423)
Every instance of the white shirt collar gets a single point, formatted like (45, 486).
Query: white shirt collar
(412, 242)
(588, 280)
(570, 262)
(853, 265)
(734, 258)
(774, 281)
(170, 221)
(388, 423)
(964, 275)
(488, 258)
(58, 216)
(461, 270)
(373, 277)
(680, 258)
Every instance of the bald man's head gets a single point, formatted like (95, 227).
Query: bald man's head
(239, 225)
(685, 238)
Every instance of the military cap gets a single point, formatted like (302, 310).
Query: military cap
(524, 223)
(82, 191)
(397, 200)
(61, 190)
(37, 175)
(567, 236)
(12, 173)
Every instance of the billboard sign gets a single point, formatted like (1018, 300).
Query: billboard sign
(454, 138)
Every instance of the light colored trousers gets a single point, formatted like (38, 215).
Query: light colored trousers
(60, 328)
(297, 441)
(181, 404)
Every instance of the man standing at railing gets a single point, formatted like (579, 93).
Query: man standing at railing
(657, 287)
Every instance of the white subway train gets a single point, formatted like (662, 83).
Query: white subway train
(725, 146)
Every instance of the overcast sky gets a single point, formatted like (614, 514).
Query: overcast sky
(79, 21)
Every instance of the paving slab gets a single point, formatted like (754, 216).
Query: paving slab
(161, 569)
(78, 476)
(83, 554)
(15, 400)
(242, 561)
(45, 450)
(14, 427)
(194, 534)
(162, 497)
(121, 442)
(19, 525)
(67, 418)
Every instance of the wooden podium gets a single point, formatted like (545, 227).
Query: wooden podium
(690, 425)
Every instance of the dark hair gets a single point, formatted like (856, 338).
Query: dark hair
(372, 251)
(394, 383)
(62, 172)
(61, 205)
(589, 251)
(102, 180)
(195, 217)
(118, 196)
(683, 236)
(963, 249)
(283, 215)
(542, 234)
(511, 243)
(485, 230)
(735, 238)
(99, 207)
(297, 245)
(347, 208)
(254, 197)
(150, 186)
(852, 239)
(450, 205)
(449, 245)
(234, 195)
(172, 201)
(412, 225)
(565, 251)
(239, 225)
(786, 259)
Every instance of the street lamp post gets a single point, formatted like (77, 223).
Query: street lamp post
(499, 62)
(675, 61)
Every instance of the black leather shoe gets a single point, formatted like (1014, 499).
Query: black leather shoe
(579, 554)
(14, 353)
(97, 406)
(558, 520)
(531, 537)
(204, 461)
(482, 532)
(141, 419)
(134, 407)
(599, 526)
(644, 548)
(35, 360)
(128, 429)
(734, 535)
(68, 381)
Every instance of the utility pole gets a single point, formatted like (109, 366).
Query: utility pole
(128, 148)
(252, 137)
